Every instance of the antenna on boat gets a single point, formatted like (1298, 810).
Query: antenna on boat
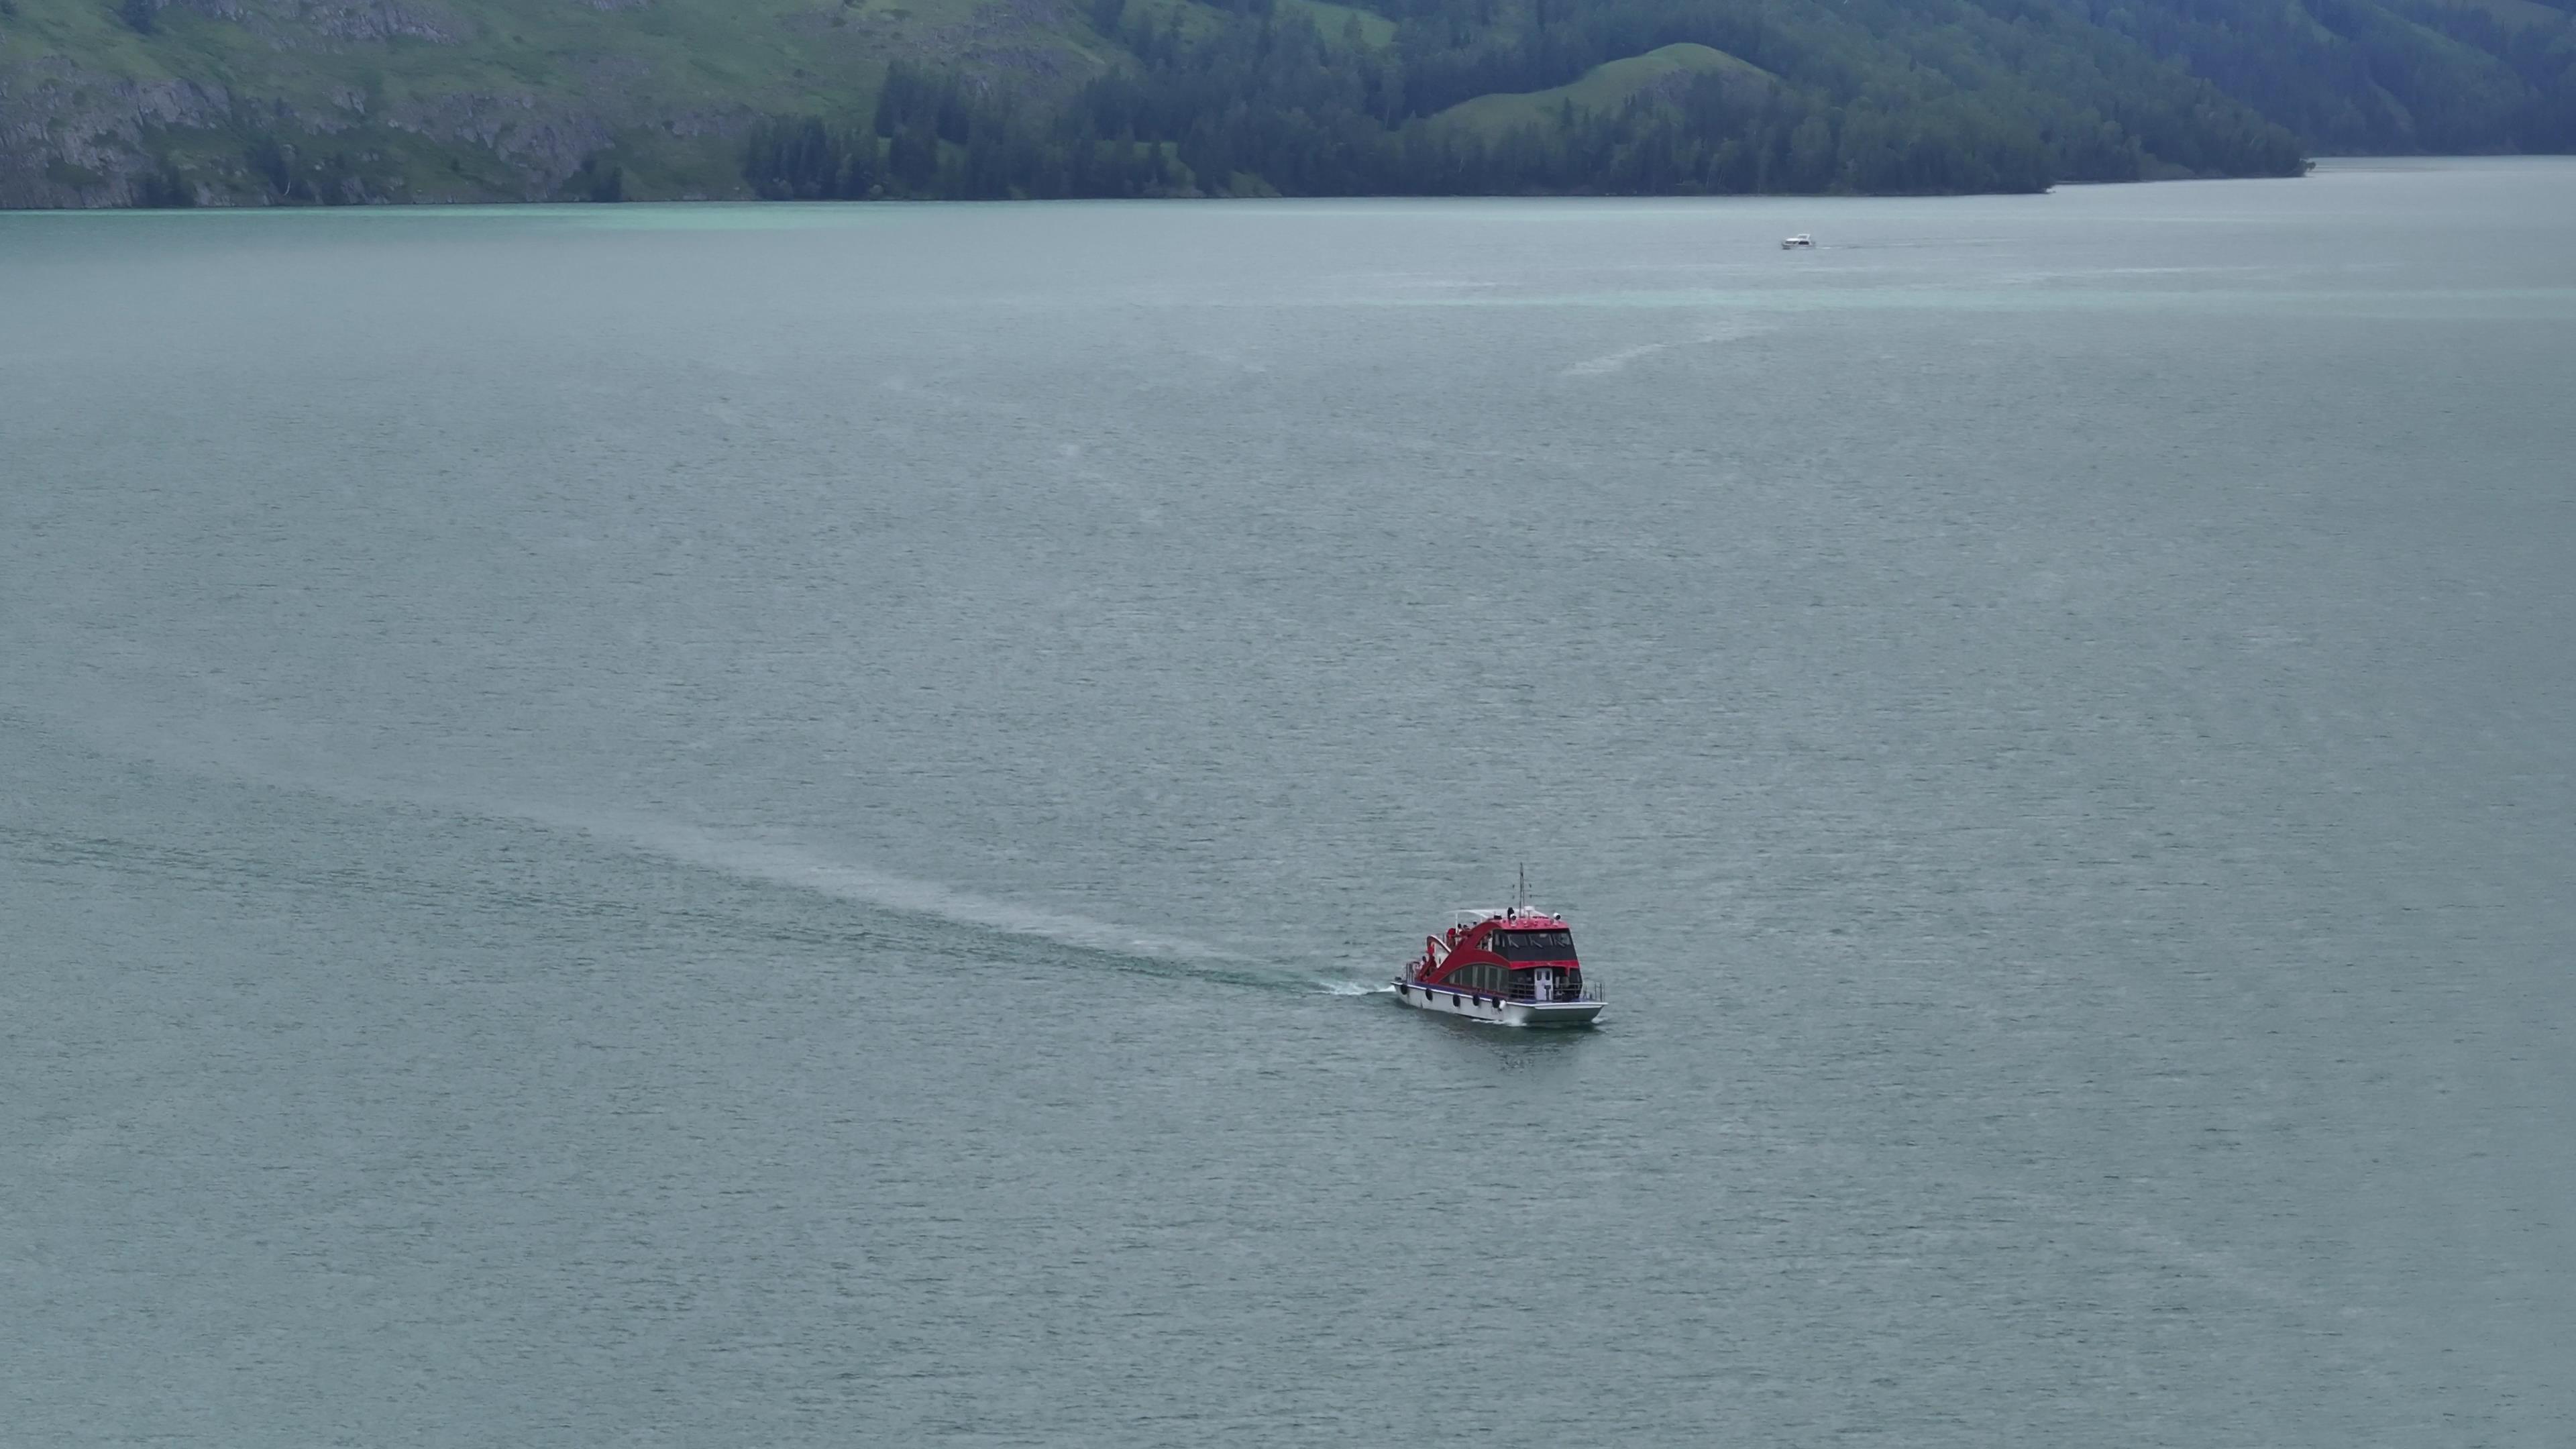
(1520, 901)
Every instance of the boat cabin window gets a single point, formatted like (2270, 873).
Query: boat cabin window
(1481, 976)
(1534, 945)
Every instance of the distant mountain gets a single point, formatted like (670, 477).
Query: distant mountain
(202, 102)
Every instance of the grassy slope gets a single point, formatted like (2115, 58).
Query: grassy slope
(1330, 19)
(1605, 87)
(2522, 14)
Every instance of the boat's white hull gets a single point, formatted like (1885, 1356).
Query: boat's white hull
(1476, 1007)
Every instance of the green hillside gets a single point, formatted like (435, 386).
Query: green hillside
(436, 100)
(178, 102)
(1662, 75)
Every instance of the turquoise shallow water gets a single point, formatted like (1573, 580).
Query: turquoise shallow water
(772, 826)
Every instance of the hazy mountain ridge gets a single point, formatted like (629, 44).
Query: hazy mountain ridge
(162, 102)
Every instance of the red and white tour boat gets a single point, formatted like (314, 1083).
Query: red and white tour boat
(1515, 967)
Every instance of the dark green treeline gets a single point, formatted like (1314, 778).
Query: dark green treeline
(1263, 101)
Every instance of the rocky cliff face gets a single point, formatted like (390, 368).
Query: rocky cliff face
(74, 137)
(232, 102)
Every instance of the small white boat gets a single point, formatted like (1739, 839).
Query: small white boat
(1800, 242)
(1513, 968)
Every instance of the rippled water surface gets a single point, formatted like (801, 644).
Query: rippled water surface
(767, 827)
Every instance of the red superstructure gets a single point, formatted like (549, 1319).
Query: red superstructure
(1516, 966)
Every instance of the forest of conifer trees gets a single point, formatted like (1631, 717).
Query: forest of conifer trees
(263, 102)
(1265, 102)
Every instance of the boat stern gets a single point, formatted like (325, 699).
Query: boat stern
(1502, 1011)
(1554, 1013)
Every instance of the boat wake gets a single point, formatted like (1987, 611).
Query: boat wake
(788, 864)
(772, 859)
(1615, 361)
(1357, 988)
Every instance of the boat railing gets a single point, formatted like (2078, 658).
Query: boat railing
(1587, 994)
(1565, 994)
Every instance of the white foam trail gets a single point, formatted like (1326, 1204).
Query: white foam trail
(792, 865)
(1613, 361)
(1357, 988)
(750, 858)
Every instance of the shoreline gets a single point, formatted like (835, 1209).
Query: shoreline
(2342, 165)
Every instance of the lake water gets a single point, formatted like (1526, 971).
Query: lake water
(773, 826)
